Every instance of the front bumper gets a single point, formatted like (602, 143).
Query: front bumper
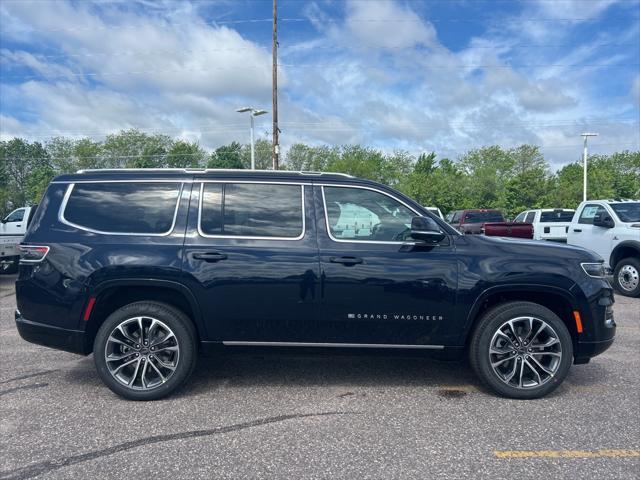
(73, 341)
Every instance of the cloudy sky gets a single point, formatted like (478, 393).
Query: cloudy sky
(420, 75)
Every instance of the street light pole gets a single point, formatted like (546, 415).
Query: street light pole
(253, 113)
(585, 155)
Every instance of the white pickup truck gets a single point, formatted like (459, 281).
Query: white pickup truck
(12, 230)
(548, 223)
(611, 228)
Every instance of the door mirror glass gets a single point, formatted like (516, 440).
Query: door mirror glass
(602, 219)
(425, 229)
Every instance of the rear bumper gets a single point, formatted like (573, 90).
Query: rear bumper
(73, 341)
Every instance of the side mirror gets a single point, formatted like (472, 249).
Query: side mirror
(425, 229)
(603, 220)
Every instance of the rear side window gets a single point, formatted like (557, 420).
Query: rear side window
(556, 216)
(123, 207)
(252, 210)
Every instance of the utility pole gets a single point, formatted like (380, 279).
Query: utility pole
(585, 155)
(274, 92)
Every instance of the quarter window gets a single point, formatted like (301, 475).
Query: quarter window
(252, 210)
(589, 212)
(364, 215)
(123, 207)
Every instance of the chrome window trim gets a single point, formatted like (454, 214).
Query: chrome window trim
(362, 187)
(246, 237)
(331, 345)
(160, 180)
(67, 194)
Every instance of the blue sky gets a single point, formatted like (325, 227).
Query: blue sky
(419, 75)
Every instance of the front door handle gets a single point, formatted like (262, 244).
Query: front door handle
(346, 260)
(578, 230)
(210, 256)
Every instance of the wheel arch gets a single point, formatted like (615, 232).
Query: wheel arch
(113, 294)
(560, 301)
(628, 248)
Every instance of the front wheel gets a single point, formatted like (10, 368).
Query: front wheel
(626, 277)
(521, 350)
(145, 350)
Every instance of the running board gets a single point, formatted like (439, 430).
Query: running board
(332, 345)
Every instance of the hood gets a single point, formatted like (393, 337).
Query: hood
(533, 248)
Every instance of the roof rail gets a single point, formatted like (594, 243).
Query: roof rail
(207, 170)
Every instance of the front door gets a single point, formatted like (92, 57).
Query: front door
(377, 287)
(251, 259)
(587, 235)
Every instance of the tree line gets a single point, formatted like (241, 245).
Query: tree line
(512, 179)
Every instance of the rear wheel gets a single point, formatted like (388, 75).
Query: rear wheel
(626, 277)
(145, 350)
(521, 350)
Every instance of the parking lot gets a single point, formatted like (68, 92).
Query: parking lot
(316, 416)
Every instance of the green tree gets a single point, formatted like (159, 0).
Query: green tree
(133, 148)
(226, 156)
(20, 159)
(185, 155)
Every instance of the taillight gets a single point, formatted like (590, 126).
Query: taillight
(33, 253)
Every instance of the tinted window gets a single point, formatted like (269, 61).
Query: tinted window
(252, 210)
(123, 207)
(520, 218)
(627, 212)
(557, 216)
(530, 217)
(481, 217)
(358, 214)
(589, 212)
(16, 216)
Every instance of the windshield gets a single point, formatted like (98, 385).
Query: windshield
(627, 211)
(481, 217)
(559, 216)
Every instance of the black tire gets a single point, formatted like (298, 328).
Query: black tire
(627, 268)
(482, 337)
(185, 339)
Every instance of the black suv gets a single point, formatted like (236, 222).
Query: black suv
(146, 267)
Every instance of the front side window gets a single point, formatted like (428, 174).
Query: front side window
(357, 214)
(15, 216)
(252, 210)
(123, 207)
(530, 217)
(520, 218)
(589, 212)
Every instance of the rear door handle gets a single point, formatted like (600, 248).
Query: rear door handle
(210, 256)
(578, 230)
(346, 260)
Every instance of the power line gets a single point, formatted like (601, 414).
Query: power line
(311, 66)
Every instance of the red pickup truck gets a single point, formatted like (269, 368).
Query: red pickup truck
(488, 221)
(509, 229)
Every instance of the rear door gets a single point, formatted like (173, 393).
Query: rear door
(251, 259)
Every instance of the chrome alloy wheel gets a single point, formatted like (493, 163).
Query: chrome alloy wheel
(142, 353)
(628, 278)
(525, 352)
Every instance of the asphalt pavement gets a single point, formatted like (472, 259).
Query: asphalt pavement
(316, 416)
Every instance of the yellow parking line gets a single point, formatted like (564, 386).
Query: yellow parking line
(615, 453)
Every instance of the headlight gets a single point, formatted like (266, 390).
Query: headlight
(597, 270)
